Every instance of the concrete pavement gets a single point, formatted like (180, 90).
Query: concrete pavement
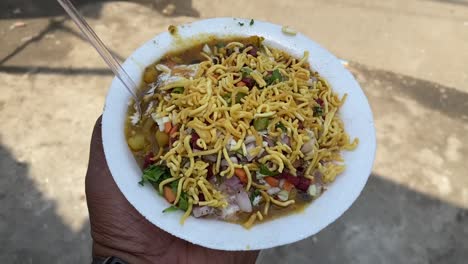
(409, 56)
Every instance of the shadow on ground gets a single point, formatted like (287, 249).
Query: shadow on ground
(453, 2)
(54, 25)
(447, 100)
(389, 222)
(21, 9)
(387, 218)
(31, 231)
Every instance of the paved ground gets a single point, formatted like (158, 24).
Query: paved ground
(409, 56)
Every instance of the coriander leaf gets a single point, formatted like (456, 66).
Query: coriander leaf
(254, 194)
(265, 171)
(183, 202)
(174, 186)
(251, 22)
(178, 90)
(239, 96)
(318, 111)
(227, 98)
(281, 126)
(275, 75)
(252, 197)
(170, 209)
(240, 24)
(261, 123)
(246, 71)
(154, 174)
(240, 152)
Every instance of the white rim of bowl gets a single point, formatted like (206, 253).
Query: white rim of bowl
(218, 234)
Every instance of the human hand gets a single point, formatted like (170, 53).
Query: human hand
(119, 230)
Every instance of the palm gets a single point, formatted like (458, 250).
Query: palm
(119, 230)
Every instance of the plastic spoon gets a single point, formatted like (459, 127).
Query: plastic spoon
(113, 64)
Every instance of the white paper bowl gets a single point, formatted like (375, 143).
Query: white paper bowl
(355, 113)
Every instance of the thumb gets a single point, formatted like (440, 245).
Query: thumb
(98, 175)
(96, 154)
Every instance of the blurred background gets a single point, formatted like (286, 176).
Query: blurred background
(410, 57)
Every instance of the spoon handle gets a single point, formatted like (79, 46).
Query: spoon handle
(113, 64)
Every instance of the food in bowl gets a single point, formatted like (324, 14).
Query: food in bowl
(238, 131)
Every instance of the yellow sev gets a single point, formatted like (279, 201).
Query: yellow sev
(209, 107)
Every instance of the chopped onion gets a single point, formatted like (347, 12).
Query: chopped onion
(281, 183)
(224, 163)
(242, 199)
(249, 147)
(283, 195)
(163, 68)
(207, 49)
(286, 140)
(202, 211)
(257, 200)
(307, 147)
(267, 141)
(229, 211)
(273, 191)
(262, 153)
(249, 139)
(230, 144)
(160, 120)
(234, 160)
(210, 158)
(231, 184)
(312, 190)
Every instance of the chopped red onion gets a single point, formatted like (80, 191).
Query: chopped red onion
(202, 211)
(268, 140)
(252, 51)
(242, 199)
(148, 160)
(193, 141)
(303, 184)
(286, 140)
(210, 158)
(249, 82)
(231, 185)
(209, 173)
(234, 159)
(224, 163)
